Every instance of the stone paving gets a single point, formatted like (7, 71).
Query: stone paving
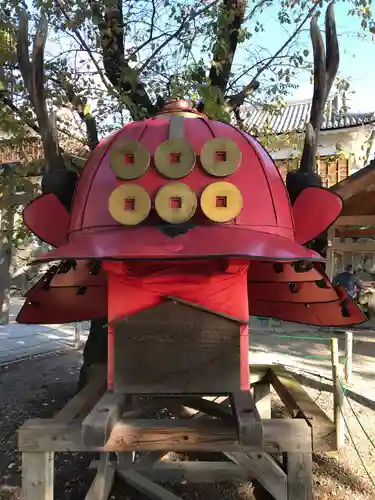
(308, 350)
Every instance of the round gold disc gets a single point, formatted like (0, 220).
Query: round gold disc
(128, 159)
(129, 204)
(221, 201)
(220, 157)
(176, 203)
(175, 158)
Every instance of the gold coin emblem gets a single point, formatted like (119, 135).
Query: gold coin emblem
(175, 158)
(129, 204)
(176, 203)
(129, 159)
(220, 157)
(221, 201)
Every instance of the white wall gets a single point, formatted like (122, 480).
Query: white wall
(351, 141)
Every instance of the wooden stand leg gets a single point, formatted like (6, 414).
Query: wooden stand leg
(299, 475)
(37, 475)
(102, 485)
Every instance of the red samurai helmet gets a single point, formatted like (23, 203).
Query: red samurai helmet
(183, 174)
(180, 187)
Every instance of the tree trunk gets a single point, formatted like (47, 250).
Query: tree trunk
(6, 231)
(96, 349)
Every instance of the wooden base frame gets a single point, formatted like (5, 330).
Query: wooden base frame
(274, 452)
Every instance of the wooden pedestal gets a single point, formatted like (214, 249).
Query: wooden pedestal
(277, 453)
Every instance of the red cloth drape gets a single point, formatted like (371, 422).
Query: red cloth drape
(220, 287)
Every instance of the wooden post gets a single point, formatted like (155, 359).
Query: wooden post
(299, 476)
(330, 253)
(37, 475)
(6, 233)
(77, 335)
(338, 396)
(348, 356)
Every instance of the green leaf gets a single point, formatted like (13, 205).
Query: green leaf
(86, 110)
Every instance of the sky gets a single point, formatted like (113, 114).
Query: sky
(357, 57)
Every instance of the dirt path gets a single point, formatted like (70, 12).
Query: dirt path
(40, 387)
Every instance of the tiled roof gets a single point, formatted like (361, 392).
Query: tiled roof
(295, 116)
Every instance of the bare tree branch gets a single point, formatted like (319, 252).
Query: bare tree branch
(124, 78)
(33, 76)
(61, 6)
(238, 99)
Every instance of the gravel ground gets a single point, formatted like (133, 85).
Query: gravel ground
(40, 387)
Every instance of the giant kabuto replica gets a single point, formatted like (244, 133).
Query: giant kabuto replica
(182, 208)
(181, 228)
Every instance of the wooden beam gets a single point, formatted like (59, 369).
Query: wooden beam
(37, 475)
(357, 182)
(265, 470)
(258, 373)
(248, 421)
(356, 233)
(262, 398)
(159, 434)
(147, 487)
(355, 220)
(212, 408)
(99, 423)
(85, 400)
(366, 246)
(194, 472)
(300, 404)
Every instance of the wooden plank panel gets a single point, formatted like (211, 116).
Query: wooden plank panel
(168, 435)
(356, 220)
(180, 349)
